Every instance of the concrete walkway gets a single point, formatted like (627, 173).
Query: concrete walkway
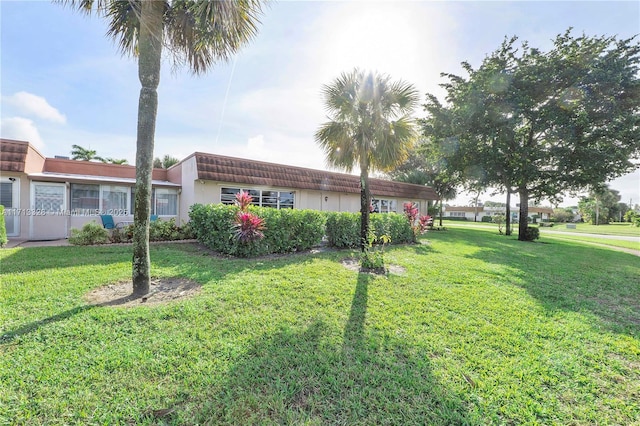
(17, 242)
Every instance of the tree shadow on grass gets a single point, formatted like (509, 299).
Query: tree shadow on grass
(563, 275)
(304, 376)
(11, 335)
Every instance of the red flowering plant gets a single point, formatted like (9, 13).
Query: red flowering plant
(426, 222)
(243, 200)
(418, 226)
(248, 226)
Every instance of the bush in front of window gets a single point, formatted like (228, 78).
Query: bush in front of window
(343, 228)
(285, 230)
(91, 233)
(3, 230)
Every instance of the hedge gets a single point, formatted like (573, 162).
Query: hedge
(3, 230)
(343, 229)
(286, 230)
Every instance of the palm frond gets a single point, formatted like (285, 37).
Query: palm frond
(369, 120)
(196, 33)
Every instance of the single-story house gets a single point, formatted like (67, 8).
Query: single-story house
(471, 212)
(45, 197)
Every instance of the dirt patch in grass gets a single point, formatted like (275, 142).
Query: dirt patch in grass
(162, 291)
(353, 264)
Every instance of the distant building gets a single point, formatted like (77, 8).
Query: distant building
(469, 212)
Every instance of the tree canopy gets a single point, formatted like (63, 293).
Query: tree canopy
(540, 124)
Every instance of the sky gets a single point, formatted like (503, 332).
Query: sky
(63, 82)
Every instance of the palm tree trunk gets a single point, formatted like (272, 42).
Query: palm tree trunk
(524, 214)
(440, 212)
(365, 203)
(150, 53)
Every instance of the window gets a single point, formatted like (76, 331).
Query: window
(166, 202)
(269, 199)
(384, 205)
(85, 196)
(114, 198)
(286, 200)
(456, 214)
(264, 198)
(48, 197)
(228, 195)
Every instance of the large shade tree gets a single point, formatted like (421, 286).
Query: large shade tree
(425, 165)
(539, 124)
(369, 125)
(195, 33)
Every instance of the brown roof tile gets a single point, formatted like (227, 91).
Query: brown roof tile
(12, 155)
(250, 172)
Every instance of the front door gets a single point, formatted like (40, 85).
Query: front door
(10, 199)
(47, 215)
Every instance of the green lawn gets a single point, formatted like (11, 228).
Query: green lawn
(480, 329)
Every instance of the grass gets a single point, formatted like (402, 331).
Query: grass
(481, 329)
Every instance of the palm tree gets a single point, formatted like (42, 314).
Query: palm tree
(165, 162)
(198, 33)
(369, 126)
(82, 154)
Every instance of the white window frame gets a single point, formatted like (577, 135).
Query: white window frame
(389, 203)
(258, 194)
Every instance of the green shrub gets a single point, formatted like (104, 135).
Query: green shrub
(91, 233)
(372, 258)
(343, 229)
(164, 230)
(3, 229)
(458, 218)
(487, 219)
(286, 230)
(532, 233)
(159, 230)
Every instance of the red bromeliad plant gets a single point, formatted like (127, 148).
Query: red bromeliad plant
(411, 213)
(426, 221)
(248, 226)
(243, 200)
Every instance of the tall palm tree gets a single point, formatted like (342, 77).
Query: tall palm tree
(370, 125)
(198, 33)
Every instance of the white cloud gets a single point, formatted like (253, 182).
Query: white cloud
(37, 106)
(21, 129)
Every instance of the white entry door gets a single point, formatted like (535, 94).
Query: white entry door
(10, 199)
(48, 217)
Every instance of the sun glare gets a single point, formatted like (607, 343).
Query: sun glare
(385, 37)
